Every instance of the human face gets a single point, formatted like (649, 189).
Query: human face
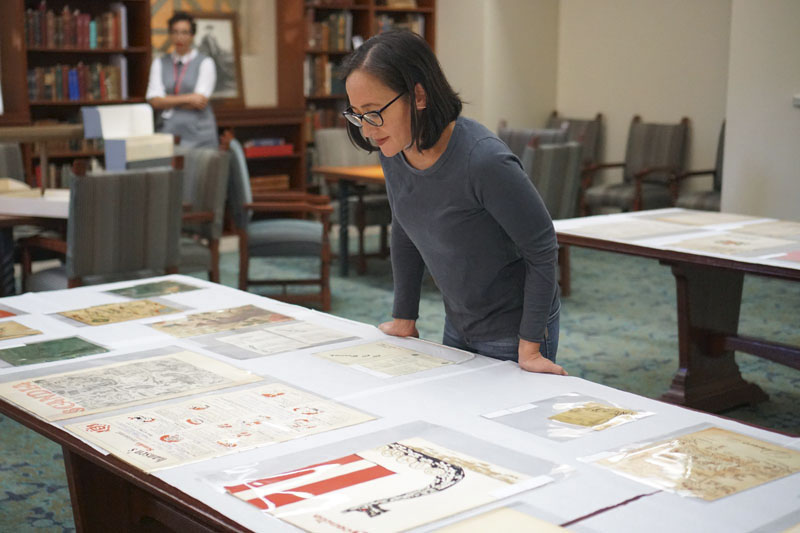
(367, 93)
(181, 36)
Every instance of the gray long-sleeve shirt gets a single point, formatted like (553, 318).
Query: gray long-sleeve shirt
(476, 221)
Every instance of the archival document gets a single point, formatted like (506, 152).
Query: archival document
(284, 338)
(104, 388)
(384, 359)
(100, 315)
(153, 289)
(13, 330)
(210, 426)
(708, 464)
(220, 320)
(46, 351)
(393, 487)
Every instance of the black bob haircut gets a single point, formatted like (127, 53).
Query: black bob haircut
(179, 16)
(401, 59)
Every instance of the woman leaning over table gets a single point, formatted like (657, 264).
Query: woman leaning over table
(461, 204)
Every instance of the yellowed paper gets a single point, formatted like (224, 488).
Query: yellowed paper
(394, 487)
(384, 358)
(628, 230)
(777, 229)
(99, 389)
(704, 218)
(283, 338)
(708, 464)
(210, 426)
(119, 312)
(13, 330)
(591, 414)
(501, 520)
(733, 244)
(221, 320)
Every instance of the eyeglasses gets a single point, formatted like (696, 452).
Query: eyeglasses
(373, 118)
(180, 32)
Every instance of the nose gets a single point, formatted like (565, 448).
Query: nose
(367, 129)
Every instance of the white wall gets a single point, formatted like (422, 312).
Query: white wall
(501, 56)
(661, 60)
(762, 155)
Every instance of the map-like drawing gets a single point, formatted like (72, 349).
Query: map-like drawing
(153, 289)
(100, 315)
(591, 414)
(384, 358)
(708, 464)
(13, 330)
(53, 350)
(220, 320)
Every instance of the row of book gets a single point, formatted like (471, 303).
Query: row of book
(334, 33)
(322, 118)
(97, 81)
(73, 29)
(321, 77)
(406, 21)
(79, 146)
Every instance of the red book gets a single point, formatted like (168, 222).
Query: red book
(265, 151)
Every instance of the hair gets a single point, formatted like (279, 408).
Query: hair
(179, 16)
(401, 59)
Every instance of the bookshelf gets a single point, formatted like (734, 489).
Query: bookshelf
(329, 29)
(59, 55)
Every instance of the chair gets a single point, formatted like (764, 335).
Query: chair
(588, 132)
(370, 206)
(518, 138)
(122, 225)
(705, 200)
(205, 187)
(555, 171)
(654, 157)
(279, 237)
(11, 165)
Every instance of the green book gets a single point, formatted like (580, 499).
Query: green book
(54, 350)
(156, 288)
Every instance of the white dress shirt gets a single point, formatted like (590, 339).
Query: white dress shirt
(206, 78)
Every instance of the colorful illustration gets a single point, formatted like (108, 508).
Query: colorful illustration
(13, 330)
(220, 320)
(100, 315)
(46, 351)
(151, 290)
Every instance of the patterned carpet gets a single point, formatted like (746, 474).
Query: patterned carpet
(618, 328)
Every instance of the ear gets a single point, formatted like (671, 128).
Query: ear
(420, 98)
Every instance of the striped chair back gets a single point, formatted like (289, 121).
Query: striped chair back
(555, 171)
(124, 222)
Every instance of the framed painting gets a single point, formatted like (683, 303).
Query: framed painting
(217, 37)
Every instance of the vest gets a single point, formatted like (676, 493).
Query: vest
(196, 128)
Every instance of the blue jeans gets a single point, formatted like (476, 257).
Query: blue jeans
(507, 348)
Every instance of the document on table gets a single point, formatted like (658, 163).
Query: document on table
(629, 230)
(735, 244)
(384, 359)
(503, 519)
(104, 388)
(210, 426)
(220, 320)
(284, 337)
(100, 315)
(394, 487)
(708, 464)
(13, 330)
(153, 289)
(52, 350)
(703, 218)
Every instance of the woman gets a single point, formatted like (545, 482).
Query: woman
(180, 85)
(461, 204)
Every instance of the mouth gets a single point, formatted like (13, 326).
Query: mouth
(380, 142)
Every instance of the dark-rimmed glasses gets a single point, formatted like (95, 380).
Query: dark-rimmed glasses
(373, 118)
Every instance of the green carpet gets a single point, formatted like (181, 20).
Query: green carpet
(618, 328)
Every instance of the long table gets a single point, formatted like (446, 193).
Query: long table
(110, 495)
(709, 293)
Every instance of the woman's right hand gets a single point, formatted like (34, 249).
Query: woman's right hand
(400, 327)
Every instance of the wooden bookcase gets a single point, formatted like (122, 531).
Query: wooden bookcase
(304, 55)
(20, 56)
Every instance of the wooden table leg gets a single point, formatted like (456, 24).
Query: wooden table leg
(708, 306)
(344, 226)
(7, 284)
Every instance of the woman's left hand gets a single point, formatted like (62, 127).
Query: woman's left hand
(531, 359)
